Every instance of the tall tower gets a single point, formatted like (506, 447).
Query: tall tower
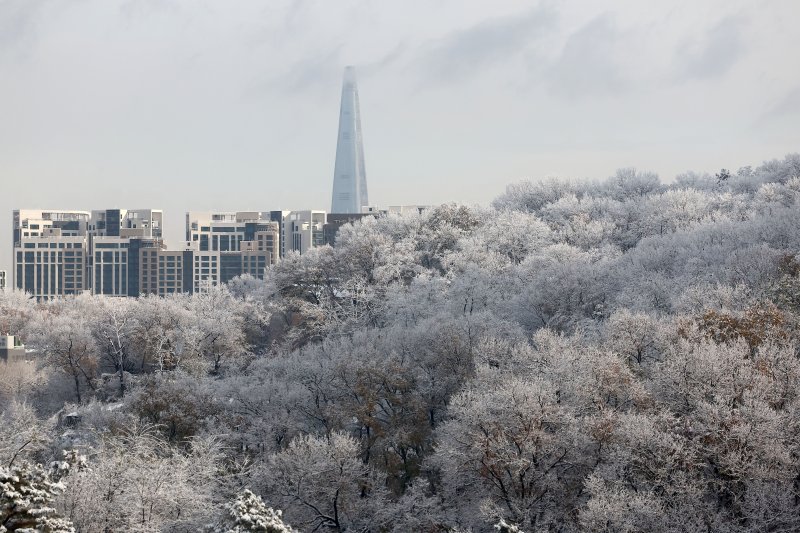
(349, 175)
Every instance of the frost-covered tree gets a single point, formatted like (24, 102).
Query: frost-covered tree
(27, 494)
(322, 483)
(63, 336)
(112, 322)
(134, 481)
(248, 514)
(618, 355)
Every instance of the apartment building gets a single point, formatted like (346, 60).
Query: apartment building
(109, 266)
(278, 218)
(34, 222)
(126, 223)
(49, 252)
(3, 280)
(225, 231)
(303, 230)
(115, 237)
(249, 261)
(206, 270)
(229, 244)
(163, 271)
(51, 264)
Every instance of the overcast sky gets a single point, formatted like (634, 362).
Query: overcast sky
(233, 104)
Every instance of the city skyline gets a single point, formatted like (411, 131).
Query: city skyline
(123, 253)
(232, 107)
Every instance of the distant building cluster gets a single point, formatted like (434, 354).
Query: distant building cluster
(119, 252)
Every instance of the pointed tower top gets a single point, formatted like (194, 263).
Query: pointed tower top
(349, 78)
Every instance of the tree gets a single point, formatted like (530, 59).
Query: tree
(24, 436)
(217, 332)
(178, 405)
(112, 323)
(634, 336)
(156, 331)
(65, 339)
(134, 481)
(506, 450)
(19, 380)
(17, 310)
(323, 485)
(27, 492)
(248, 514)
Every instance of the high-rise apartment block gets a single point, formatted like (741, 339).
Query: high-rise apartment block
(109, 266)
(226, 231)
(230, 244)
(115, 238)
(126, 223)
(51, 265)
(163, 272)
(49, 252)
(34, 222)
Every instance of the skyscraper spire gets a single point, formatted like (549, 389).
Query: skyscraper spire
(349, 175)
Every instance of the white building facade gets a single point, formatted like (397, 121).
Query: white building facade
(303, 230)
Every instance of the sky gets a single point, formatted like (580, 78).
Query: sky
(233, 105)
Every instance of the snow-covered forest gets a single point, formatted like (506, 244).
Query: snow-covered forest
(578, 356)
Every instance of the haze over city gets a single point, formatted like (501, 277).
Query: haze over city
(183, 106)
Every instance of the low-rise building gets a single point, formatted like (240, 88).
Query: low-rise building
(11, 349)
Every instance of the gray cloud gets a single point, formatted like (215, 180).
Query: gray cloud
(465, 53)
(373, 67)
(787, 106)
(586, 64)
(312, 73)
(143, 9)
(18, 21)
(712, 55)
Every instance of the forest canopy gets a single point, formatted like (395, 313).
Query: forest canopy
(618, 355)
